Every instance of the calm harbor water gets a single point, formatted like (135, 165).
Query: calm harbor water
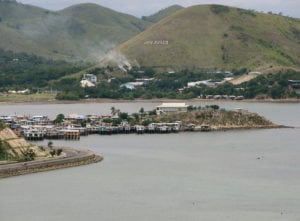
(233, 175)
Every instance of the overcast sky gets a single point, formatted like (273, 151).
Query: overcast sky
(147, 7)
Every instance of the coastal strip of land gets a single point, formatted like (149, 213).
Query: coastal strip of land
(71, 157)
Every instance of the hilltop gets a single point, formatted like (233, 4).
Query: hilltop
(215, 36)
(84, 31)
(156, 17)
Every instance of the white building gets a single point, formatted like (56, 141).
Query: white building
(132, 85)
(88, 80)
(166, 108)
(86, 83)
(90, 77)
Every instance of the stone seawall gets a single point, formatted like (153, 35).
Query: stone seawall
(81, 158)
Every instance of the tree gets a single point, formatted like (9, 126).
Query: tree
(50, 144)
(28, 154)
(215, 107)
(142, 112)
(59, 118)
(123, 115)
(59, 151)
(191, 108)
(107, 120)
(136, 116)
(113, 110)
(52, 152)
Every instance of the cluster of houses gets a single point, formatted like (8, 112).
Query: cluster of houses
(209, 82)
(90, 80)
(73, 126)
(222, 97)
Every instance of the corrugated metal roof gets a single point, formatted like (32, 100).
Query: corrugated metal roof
(173, 105)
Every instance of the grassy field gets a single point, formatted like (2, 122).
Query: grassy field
(26, 98)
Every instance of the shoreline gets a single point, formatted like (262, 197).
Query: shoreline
(77, 157)
(275, 126)
(73, 157)
(106, 100)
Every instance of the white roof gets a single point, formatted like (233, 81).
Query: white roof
(173, 105)
(86, 83)
(73, 116)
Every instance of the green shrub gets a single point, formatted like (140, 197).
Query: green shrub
(28, 155)
(58, 152)
(52, 152)
(218, 9)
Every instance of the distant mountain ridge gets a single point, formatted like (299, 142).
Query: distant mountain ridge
(204, 36)
(75, 33)
(216, 36)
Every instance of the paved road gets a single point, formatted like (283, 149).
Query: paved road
(68, 155)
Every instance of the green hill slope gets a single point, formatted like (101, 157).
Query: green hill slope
(84, 31)
(156, 17)
(213, 36)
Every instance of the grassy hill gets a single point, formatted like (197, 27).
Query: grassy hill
(78, 32)
(156, 17)
(16, 148)
(219, 119)
(214, 36)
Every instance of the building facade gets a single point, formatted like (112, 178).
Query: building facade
(166, 108)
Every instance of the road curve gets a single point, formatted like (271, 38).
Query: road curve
(71, 157)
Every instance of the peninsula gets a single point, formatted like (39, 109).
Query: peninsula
(18, 156)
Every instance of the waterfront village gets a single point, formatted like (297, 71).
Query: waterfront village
(74, 126)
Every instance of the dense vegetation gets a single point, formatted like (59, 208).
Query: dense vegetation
(21, 71)
(274, 86)
(174, 85)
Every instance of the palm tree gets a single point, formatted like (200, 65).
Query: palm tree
(142, 112)
(113, 111)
